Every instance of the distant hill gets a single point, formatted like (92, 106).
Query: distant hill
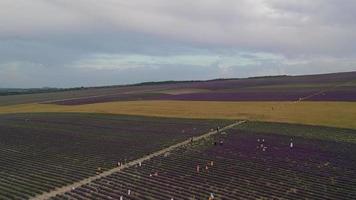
(319, 87)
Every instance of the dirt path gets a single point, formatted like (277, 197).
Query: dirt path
(75, 98)
(68, 188)
(325, 90)
(53, 101)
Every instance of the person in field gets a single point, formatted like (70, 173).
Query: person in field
(291, 145)
(198, 168)
(128, 192)
(211, 197)
(211, 163)
(262, 143)
(121, 197)
(221, 142)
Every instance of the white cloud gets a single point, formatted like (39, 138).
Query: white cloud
(275, 25)
(228, 37)
(131, 61)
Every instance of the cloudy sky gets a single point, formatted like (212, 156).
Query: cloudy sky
(66, 43)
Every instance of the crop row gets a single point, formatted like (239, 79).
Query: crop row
(237, 169)
(41, 152)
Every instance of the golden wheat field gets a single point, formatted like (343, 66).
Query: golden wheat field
(333, 114)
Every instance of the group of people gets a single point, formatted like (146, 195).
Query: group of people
(154, 174)
(198, 167)
(128, 193)
(261, 144)
(211, 164)
(119, 164)
(220, 142)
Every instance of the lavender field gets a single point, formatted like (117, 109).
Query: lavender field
(327, 87)
(246, 165)
(41, 152)
(177, 100)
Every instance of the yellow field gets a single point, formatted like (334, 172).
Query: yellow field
(335, 114)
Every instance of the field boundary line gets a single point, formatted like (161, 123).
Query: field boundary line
(54, 101)
(68, 188)
(74, 98)
(325, 90)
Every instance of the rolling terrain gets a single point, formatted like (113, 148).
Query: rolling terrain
(330, 87)
(67, 144)
(325, 87)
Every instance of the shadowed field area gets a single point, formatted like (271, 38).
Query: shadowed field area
(332, 114)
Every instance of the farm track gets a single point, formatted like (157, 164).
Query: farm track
(68, 188)
(325, 90)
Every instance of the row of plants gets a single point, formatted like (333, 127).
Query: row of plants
(237, 168)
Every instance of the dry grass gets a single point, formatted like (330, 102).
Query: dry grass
(333, 114)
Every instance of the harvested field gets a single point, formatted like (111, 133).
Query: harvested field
(333, 114)
(248, 165)
(43, 151)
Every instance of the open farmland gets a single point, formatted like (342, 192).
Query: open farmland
(113, 93)
(177, 100)
(324, 87)
(250, 164)
(50, 142)
(334, 114)
(43, 151)
(278, 93)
